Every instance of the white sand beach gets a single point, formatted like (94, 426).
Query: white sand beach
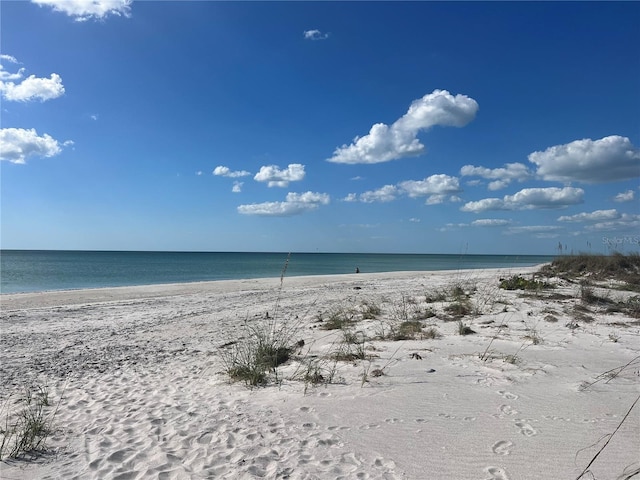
(138, 389)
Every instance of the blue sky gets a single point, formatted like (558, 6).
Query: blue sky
(416, 127)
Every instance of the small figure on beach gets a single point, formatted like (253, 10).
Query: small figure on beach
(357, 270)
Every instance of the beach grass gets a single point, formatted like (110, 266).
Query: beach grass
(24, 431)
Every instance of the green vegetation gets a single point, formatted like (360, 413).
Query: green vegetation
(619, 267)
(261, 351)
(517, 282)
(25, 431)
(338, 319)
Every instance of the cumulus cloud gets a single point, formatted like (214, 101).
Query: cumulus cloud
(82, 10)
(609, 159)
(385, 143)
(596, 216)
(625, 222)
(433, 185)
(295, 203)
(275, 177)
(6, 76)
(33, 88)
(627, 196)
(529, 199)
(384, 194)
(223, 171)
(501, 177)
(30, 88)
(437, 188)
(315, 35)
(237, 187)
(16, 144)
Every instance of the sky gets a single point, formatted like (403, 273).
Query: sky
(375, 127)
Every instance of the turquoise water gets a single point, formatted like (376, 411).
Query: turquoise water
(42, 270)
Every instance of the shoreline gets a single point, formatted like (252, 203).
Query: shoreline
(52, 271)
(139, 389)
(12, 301)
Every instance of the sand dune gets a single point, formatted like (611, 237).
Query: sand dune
(138, 380)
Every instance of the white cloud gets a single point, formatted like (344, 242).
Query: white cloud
(550, 197)
(385, 143)
(295, 203)
(529, 199)
(436, 199)
(609, 159)
(546, 231)
(83, 10)
(440, 198)
(199, 173)
(490, 222)
(16, 144)
(6, 76)
(33, 88)
(223, 171)
(237, 187)
(483, 205)
(384, 194)
(434, 185)
(8, 58)
(625, 222)
(501, 177)
(596, 216)
(484, 222)
(627, 196)
(437, 188)
(414, 220)
(351, 197)
(315, 35)
(280, 178)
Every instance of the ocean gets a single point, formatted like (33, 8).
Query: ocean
(43, 270)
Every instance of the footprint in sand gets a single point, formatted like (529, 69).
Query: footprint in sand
(503, 447)
(508, 395)
(368, 426)
(497, 473)
(393, 420)
(446, 415)
(526, 429)
(508, 410)
(337, 427)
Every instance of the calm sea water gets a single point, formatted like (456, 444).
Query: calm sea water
(42, 270)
